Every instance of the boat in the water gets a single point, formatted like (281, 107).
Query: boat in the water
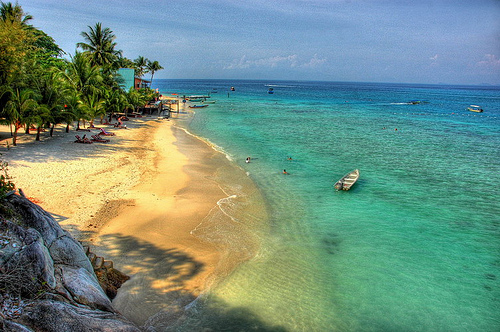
(347, 181)
(209, 101)
(198, 106)
(475, 108)
(270, 91)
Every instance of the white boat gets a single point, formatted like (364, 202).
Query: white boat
(346, 182)
(475, 108)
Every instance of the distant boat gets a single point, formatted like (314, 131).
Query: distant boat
(209, 102)
(346, 182)
(475, 108)
(198, 106)
(270, 91)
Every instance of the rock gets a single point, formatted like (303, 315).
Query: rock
(47, 283)
(84, 288)
(62, 247)
(110, 280)
(52, 316)
(9, 326)
(25, 259)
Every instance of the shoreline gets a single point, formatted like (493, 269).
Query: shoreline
(146, 201)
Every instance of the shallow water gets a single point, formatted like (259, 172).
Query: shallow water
(413, 246)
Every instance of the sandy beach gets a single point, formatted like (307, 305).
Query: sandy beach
(146, 201)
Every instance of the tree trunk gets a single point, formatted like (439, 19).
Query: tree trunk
(14, 137)
(38, 131)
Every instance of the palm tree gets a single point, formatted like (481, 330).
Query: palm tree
(92, 105)
(81, 75)
(14, 13)
(135, 99)
(71, 108)
(141, 64)
(100, 45)
(84, 79)
(18, 108)
(153, 66)
(115, 101)
(49, 87)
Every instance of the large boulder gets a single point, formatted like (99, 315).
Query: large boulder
(24, 259)
(84, 288)
(47, 283)
(58, 316)
(62, 246)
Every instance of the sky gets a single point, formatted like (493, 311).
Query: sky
(399, 41)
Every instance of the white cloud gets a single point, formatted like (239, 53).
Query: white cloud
(314, 62)
(490, 61)
(291, 61)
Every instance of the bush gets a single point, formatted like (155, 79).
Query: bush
(5, 184)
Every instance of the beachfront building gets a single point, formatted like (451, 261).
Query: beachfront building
(130, 80)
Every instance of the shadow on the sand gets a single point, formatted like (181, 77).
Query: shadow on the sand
(157, 292)
(68, 149)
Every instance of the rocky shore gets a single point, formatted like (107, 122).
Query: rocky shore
(48, 280)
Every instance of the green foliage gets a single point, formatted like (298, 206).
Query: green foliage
(5, 184)
(38, 87)
(100, 45)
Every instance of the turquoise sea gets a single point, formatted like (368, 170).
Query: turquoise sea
(413, 246)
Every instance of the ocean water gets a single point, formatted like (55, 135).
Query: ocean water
(413, 246)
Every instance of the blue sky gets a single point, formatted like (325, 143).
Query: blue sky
(416, 41)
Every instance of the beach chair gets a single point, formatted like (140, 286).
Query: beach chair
(82, 139)
(96, 138)
(105, 133)
(82, 129)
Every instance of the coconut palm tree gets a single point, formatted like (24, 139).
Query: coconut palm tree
(49, 87)
(84, 79)
(141, 64)
(136, 99)
(13, 13)
(153, 67)
(18, 108)
(82, 75)
(71, 111)
(100, 45)
(93, 106)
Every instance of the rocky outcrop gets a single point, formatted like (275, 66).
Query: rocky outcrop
(47, 282)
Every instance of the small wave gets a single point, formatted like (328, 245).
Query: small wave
(279, 86)
(209, 143)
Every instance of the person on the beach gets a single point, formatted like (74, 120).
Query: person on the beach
(248, 160)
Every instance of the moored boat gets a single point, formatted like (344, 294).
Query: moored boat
(197, 106)
(475, 108)
(347, 181)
